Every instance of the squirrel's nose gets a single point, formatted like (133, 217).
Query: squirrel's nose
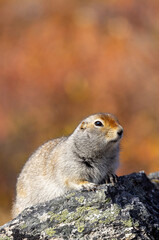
(120, 133)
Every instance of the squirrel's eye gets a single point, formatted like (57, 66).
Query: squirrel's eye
(98, 124)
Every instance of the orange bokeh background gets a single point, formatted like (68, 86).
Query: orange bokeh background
(63, 60)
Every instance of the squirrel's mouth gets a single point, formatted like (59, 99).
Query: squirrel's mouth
(117, 139)
(119, 136)
(114, 141)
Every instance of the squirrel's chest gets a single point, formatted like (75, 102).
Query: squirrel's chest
(94, 171)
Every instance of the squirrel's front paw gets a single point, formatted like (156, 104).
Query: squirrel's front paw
(111, 178)
(88, 186)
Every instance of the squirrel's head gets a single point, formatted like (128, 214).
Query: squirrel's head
(98, 131)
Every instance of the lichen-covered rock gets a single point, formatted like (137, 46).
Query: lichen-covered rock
(127, 210)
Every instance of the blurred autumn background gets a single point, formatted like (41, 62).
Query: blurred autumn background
(63, 60)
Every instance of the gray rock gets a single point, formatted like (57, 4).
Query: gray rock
(127, 210)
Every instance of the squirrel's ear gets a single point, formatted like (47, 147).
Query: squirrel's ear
(83, 125)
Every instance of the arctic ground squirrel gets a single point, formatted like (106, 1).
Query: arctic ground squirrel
(86, 158)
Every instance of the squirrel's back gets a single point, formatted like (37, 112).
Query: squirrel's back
(35, 169)
(40, 158)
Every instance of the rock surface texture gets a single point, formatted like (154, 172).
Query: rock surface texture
(127, 210)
